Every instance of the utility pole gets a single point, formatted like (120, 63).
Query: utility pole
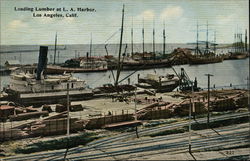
(136, 129)
(208, 96)
(66, 152)
(189, 129)
(68, 109)
(193, 104)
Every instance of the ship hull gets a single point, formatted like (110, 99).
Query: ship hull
(196, 61)
(164, 86)
(146, 65)
(41, 98)
(238, 56)
(61, 70)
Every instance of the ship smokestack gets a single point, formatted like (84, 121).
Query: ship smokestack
(42, 61)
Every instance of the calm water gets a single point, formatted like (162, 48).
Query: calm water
(229, 71)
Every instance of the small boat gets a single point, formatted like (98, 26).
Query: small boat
(165, 83)
(237, 55)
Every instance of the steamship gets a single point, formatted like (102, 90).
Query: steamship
(38, 88)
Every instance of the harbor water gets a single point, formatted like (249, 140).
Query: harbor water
(229, 72)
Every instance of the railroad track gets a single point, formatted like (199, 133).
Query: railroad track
(113, 142)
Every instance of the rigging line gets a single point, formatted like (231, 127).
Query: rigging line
(105, 42)
(132, 73)
(97, 80)
(112, 36)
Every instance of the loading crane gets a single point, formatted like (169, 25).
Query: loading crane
(185, 83)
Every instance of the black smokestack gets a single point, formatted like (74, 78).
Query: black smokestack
(42, 61)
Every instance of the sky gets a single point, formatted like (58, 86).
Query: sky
(179, 16)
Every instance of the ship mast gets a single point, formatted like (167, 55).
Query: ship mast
(246, 39)
(206, 51)
(214, 42)
(55, 48)
(143, 38)
(237, 41)
(241, 43)
(154, 39)
(234, 42)
(120, 49)
(164, 39)
(132, 44)
(90, 47)
(197, 39)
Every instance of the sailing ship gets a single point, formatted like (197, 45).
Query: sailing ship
(239, 50)
(116, 87)
(146, 60)
(78, 65)
(207, 55)
(37, 89)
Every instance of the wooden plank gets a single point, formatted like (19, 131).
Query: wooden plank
(120, 124)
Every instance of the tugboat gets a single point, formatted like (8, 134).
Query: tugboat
(38, 89)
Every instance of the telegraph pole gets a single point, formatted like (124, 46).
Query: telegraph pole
(193, 104)
(65, 154)
(68, 109)
(208, 96)
(136, 129)
(189, 128)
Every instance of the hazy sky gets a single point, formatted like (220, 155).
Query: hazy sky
(180, 17)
